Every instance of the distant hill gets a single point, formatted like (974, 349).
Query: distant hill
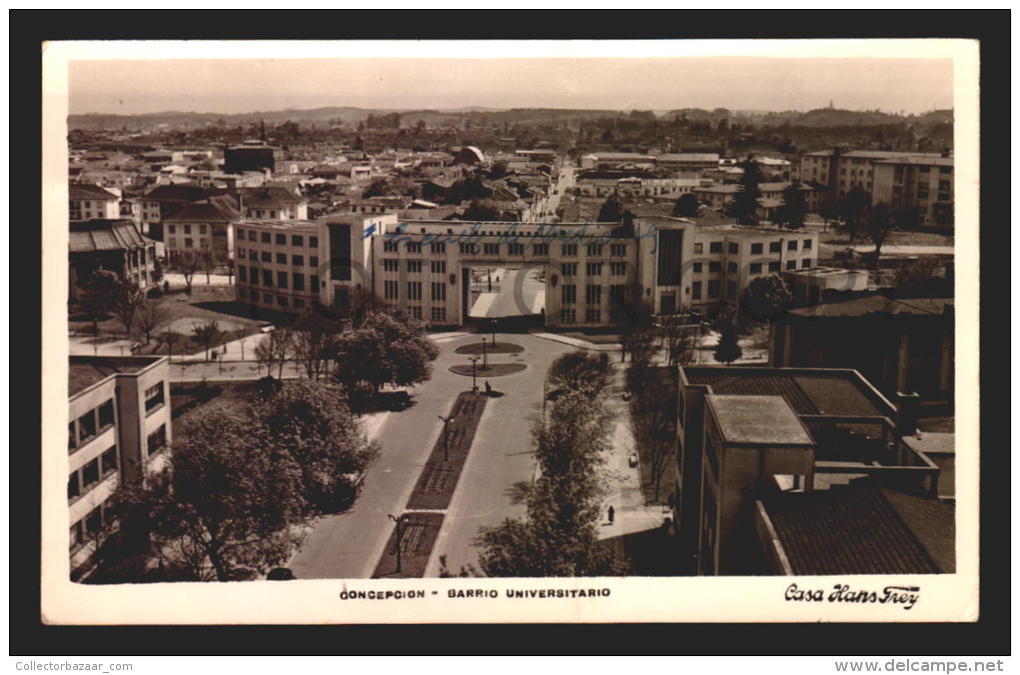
(481, 116)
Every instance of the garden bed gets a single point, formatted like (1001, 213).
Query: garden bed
(418, 533)
(493, 369)
(498, 348)
(439, 476)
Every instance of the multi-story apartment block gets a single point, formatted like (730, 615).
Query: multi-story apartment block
(922, 183)
(921, 180)
(89, 202)
(118, 428)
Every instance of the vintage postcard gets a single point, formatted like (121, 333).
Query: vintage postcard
(555, 331)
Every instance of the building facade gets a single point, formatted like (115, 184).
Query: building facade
(909, 179)
(747, 434)
(119, 427)
(90, 202)
(288, 266)
(113, 245)
(593, 272)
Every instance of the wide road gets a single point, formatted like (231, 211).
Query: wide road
(501, 455)
(518, 293)
(348, 545)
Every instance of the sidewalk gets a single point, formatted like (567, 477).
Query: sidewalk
(580, 344)
(626, 496)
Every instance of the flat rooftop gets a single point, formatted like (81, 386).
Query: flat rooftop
(761, 420)
(278, 224)
(807, 391)
(85, 371)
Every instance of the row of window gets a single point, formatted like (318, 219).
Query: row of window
(269, 299)
(391, 290)
(757, 248)
(154, 398)
(282, 279)
(202, 229)
(515, 248)
(616, 269)
(414, 266)
(87, 477)
(592, 294)
(89, 527)
(715, 267)
(281, 258)
(569, 315)
(714, 289)
(89, 425)
(297, 240)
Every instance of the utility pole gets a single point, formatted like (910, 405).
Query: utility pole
(446, 436)
(474, 362)
(397, 520)
(485, 355)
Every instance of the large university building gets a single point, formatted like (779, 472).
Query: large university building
(592, 272)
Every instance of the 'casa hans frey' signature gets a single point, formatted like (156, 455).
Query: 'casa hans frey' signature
(906, 596)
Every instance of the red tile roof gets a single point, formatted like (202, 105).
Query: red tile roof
(855, 530)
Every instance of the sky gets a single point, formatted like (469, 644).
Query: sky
(912, 85)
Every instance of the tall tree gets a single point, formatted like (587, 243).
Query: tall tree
(385, 349)
(208, 335)
(274, 350)
(880, 226)
(312, 423)
(224, 506)
(793, 210)
(580, 371)
(653, 419)
(611, 210)
(679, 338)
(314, 342)
(854, 211)
(728, 350)
(766, 297)
(152, 314)
(128, 300)
(558, 536)
(686, 206)
(744, 206)
(187, 263)
(99, 296)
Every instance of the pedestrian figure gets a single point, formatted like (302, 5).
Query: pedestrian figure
(166, 286)
(488, 389)
(612, 513)
(670, 501)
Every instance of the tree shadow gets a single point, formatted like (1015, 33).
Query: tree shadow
(518, 492)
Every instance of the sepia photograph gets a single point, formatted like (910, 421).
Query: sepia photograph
(559, 335)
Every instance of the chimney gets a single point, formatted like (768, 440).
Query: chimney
(906, 419)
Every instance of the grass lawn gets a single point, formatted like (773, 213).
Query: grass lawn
(439, 477)
(183, 313)
(418, 532)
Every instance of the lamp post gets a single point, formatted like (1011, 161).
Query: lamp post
(492, 327)
(397, 520)
(474, 362)
(446, 436)
(485, 354)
